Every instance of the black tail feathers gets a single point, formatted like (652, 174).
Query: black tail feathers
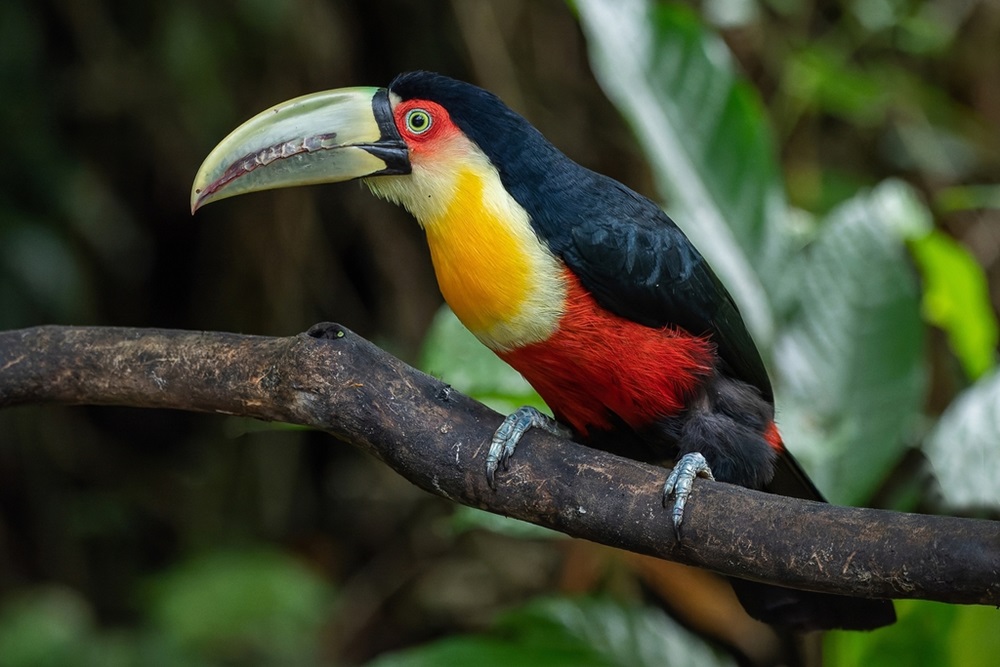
(803, 611)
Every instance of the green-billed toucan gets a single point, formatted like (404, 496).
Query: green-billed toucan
(586, 288)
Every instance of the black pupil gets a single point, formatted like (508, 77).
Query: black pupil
(418, 121)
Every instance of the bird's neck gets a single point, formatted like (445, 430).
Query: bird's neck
(501, 281)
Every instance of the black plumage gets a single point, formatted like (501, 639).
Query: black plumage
(624, 249)
(636, 263)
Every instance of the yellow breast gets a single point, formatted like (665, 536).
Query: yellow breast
(501, 281)
(481, 267)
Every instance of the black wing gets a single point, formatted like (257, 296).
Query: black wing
(638, 264)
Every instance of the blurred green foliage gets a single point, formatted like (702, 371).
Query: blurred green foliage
(566, 631)
(451, 352)
(250, 607)
(835, 159)
(927, 634)
(242, 606)
(956, 299)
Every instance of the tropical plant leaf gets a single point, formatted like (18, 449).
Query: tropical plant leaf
(850, 361)
(466, 518)
(704, 133)
(957, 299)
(453, 354)
(927, 634)
(626, 635)
(562, 631)
(964, 447)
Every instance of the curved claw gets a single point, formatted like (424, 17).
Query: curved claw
(678, 485)
(510, 433)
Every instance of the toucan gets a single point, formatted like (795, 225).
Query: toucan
(584, 286)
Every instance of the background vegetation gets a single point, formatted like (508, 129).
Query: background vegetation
(837, 161)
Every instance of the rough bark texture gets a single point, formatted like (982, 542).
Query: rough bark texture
(333, 380)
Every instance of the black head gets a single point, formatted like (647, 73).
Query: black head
(513, 145)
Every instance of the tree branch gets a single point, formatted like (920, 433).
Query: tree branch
(333, 380)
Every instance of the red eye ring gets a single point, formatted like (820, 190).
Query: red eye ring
(423, 123)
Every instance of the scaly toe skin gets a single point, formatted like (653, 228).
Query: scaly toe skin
(510, 433)
(679, 482)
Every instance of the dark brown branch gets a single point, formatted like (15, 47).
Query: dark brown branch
(435, 437)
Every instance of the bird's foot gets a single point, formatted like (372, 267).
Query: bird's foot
(678, 485)
(509, 434)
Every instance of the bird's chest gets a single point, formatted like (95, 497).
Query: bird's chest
(482, 274)
(599, 369)
(499, 279)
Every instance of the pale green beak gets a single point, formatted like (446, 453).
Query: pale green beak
(328, 137)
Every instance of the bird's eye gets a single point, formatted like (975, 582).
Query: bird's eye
(418, 121)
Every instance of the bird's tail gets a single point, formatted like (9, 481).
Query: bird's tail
(806, 610)
(803, 611)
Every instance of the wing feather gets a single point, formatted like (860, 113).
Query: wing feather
(638, 264)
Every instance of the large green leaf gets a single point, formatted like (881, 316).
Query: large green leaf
(465, 518)
(928, 634)
(957, 299)
(453, 354)
(704, 134)
(561, 631)
(964, 447)
(626, 635)
(850, 361)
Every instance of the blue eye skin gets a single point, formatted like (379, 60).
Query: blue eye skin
(418, 121)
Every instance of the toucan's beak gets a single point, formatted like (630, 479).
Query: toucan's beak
(336, 135)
